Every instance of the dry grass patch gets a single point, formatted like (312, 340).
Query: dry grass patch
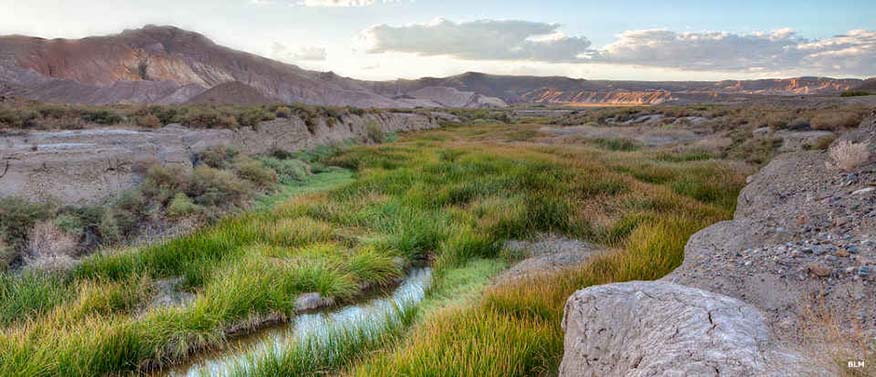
(847, 155)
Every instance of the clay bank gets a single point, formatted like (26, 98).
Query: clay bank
(89, 165)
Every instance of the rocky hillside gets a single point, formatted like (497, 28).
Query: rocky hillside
(867, 85)
(162, 64)
(788, 287)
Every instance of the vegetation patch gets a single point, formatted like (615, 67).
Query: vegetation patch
(451, 197)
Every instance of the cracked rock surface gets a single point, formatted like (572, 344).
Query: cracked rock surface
(664, 329)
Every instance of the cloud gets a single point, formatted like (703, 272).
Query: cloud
(281, 52)
(781, 50)
(705, 51)
(479, 40)
(852, 53)
(774, 52)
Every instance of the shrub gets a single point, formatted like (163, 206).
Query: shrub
(102, 116)
(163, 182)
(148, 121)
(253, 171)
(208, 118)
(166, 114)
(374, 132)
(848, 156)
(108, 228)
(288, 170)
(7, 255)
(283, 112)
(217, 157)
(49, 247)
(252, 117)
(17, 217)
(181, 206)
(70, 224)
(214, 187)
(835, 120)
(855, 93)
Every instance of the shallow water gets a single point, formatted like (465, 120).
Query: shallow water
(218, 363)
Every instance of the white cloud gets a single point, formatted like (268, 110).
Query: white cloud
(281, 52)
(479, 40)
(776, 52)
(705, 51)
(852, 53)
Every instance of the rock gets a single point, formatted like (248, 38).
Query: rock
(311, 301)
(867, 271)
(546, 253)
(763, 131)
(664, 329)
(168, 294)
(818, 269)
(864, 191)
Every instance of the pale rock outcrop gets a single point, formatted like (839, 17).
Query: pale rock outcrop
(664, 329)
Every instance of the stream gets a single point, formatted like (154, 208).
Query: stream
(220, 362)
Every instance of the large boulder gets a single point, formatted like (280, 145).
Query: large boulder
(665, 329)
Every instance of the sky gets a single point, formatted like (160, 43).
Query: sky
(388, 39)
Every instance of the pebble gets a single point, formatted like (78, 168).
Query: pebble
(842, 253)
(864, 190)
(867, 271)
(820, 270)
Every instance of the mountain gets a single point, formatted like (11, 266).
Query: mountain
(869, 85)
(165, 64)
(161, 65)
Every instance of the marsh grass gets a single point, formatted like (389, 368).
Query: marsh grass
(450, 197)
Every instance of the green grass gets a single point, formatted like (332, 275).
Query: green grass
(323, 181)
(450, 197)
(29, 295)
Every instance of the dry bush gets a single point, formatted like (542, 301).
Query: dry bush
(49, 247)
(831, 336)
(7, 255)
(847, 155)
(148, 121)
(835, 120)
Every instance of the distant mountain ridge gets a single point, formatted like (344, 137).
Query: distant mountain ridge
(165, 64)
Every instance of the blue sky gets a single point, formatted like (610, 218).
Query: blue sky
(382, 39)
